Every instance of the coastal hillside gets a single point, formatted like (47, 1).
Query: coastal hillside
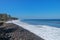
(5, 17)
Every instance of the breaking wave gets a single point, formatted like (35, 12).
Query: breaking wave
(44, 31)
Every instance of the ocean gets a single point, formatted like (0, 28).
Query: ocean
(49, 22)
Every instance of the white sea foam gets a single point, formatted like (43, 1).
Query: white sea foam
(44, 31)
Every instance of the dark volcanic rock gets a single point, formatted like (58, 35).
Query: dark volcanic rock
(14, 32)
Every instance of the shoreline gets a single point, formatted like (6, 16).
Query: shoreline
(18, 33)
(45, 32)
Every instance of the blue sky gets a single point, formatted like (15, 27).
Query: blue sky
(40, 9)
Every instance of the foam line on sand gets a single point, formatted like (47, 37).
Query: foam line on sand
(46, 32)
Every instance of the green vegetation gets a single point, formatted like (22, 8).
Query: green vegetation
(5, 17)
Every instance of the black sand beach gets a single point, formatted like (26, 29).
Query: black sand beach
(14, 32)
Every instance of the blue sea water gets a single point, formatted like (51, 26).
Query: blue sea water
(49, 22)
